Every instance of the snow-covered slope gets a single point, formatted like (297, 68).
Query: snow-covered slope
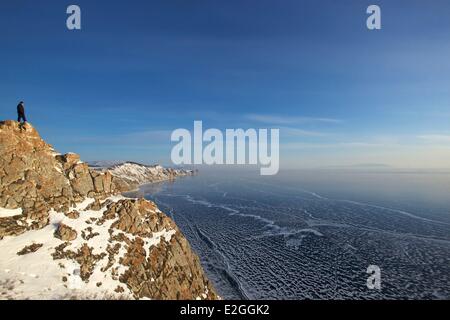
(38, 275)
(97, 255)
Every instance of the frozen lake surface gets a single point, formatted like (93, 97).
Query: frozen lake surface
(312, 235)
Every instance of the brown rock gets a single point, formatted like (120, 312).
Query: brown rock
(119, 289)
(94, 206)
(138, 217)
(10, 226)
(172, 271)
(29, 249)
(72, 214)
(65, 233)
(68, 160)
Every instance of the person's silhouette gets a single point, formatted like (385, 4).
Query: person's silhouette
(21, 114)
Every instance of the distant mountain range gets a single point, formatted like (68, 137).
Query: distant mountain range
(359, 166)
(135, 174)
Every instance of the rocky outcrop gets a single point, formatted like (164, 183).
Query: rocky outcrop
(65, 233)
(35, 178)
(30, 249)
(94, 243)
(72, 214)
(156, 272)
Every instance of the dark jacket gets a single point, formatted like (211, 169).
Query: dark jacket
(20, 109)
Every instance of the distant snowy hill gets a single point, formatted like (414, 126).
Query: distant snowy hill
(136, 174)
(103, 164)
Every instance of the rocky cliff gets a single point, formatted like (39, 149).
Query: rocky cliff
(66, 233)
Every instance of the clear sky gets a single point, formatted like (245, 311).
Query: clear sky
(137, 70)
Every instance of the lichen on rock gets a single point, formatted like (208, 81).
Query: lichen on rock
(65, 233)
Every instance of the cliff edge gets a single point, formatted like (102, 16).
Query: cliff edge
(66, 233)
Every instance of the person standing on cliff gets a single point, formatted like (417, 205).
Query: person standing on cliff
(21, 113)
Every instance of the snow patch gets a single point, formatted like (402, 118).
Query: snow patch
(5, 213)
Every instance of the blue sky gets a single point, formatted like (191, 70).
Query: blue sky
(137, 70)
